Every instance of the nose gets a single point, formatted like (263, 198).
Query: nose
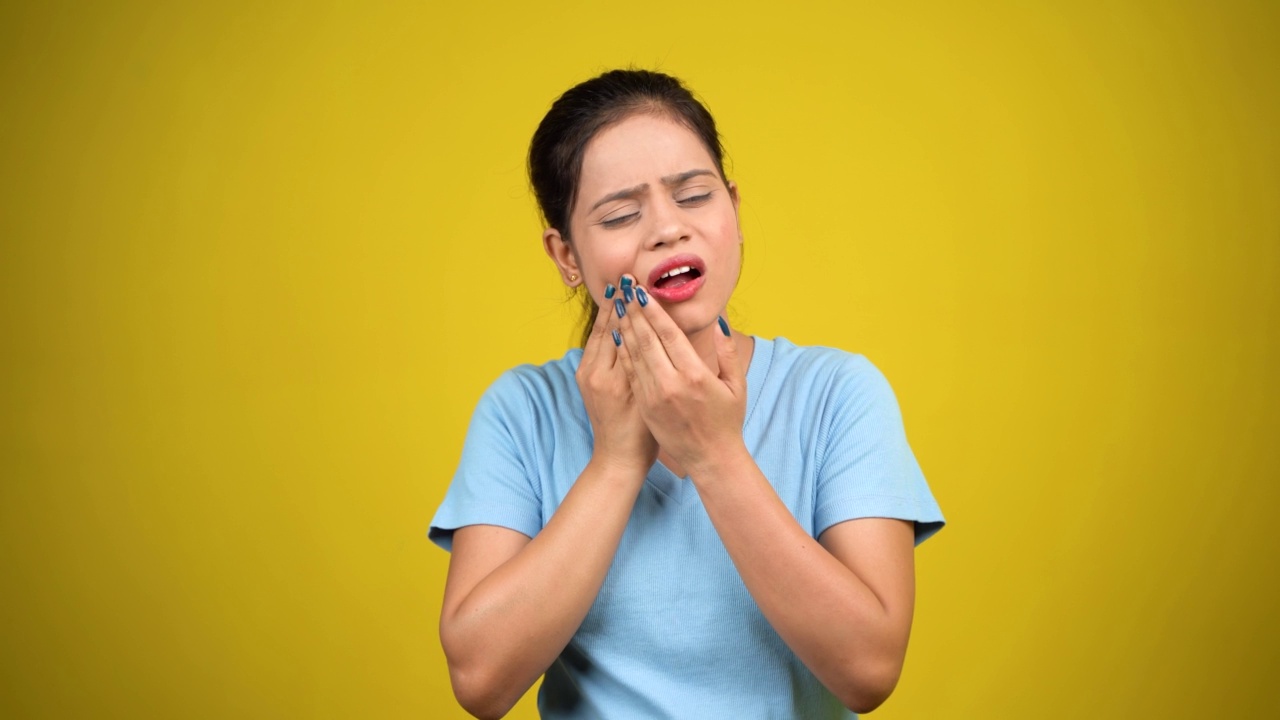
(670, 224)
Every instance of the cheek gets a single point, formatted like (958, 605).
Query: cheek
(729, 236)
(730, 249)
(605, 264)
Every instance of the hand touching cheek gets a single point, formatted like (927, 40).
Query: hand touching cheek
(621, 437)
(695, 414)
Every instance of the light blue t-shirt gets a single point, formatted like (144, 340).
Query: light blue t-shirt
(673, 632)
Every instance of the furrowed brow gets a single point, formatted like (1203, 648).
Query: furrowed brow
(674, 180)
(669, 181)
(621, 195)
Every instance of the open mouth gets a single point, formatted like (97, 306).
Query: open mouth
(677, 276)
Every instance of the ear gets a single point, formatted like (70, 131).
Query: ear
(561, 253)
(737, 201)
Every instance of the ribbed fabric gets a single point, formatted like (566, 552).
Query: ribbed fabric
(674, 632)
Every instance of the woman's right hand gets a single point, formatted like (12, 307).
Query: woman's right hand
(621, 437)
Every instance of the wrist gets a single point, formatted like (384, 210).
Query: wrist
(619, 467)
(729, 460)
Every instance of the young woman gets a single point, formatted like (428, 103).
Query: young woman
(677, 520)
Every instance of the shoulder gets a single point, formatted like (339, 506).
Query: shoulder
(839, 390)
(825, 370)
(529, 386)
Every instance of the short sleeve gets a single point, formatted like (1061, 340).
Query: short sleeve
(494, 484)
(866, 468)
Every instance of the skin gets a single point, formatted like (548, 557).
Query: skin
(675, 391)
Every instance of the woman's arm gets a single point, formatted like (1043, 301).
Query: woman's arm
(512, 603)
(843, 604)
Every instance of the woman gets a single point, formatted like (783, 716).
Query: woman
(637, 520)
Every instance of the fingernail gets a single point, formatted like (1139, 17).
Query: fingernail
(609, 290)
(626, 282)
(617, 338)
(642, 296)
(724, 326)
(617, 305)
(628, 293)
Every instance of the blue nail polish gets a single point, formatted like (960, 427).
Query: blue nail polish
(608, 291)
(628, 293)
(617, 339)
(642, 296)
(626, 283)
(617, 305)
(724, 326)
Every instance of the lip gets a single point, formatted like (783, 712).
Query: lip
(683, 292)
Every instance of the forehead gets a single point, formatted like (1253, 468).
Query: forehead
(639, 149)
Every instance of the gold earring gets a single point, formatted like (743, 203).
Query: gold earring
(573, 277)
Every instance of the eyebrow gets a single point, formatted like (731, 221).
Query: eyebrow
(669, 181)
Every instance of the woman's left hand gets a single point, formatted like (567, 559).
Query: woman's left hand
(695, 414)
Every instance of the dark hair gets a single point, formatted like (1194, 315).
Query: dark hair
(555, 154)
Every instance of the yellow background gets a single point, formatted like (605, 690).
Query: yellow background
(259, 260)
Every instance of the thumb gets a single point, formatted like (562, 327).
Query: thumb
(727, 357)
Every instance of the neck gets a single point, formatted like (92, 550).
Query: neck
(704, 343)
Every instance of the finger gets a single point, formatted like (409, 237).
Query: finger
(600, 348)
(674, 343)
(641, 343)
(731, 372)
(624, 339)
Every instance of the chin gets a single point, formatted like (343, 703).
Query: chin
(693, 321)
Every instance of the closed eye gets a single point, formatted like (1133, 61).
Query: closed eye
(695, 200)
(618, 221)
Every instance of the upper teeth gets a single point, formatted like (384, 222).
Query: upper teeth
(676, 271)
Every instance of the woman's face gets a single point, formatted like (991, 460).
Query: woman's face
(652, 204)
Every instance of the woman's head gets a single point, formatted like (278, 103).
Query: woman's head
(581, 115)
(555, 154)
